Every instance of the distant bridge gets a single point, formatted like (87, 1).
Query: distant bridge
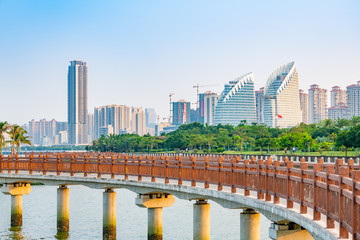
(304, 200)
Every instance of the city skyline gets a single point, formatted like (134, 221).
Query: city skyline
(207, 46)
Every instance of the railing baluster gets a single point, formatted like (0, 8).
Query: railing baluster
(139, 168)
(355, 193)
(343, 172)
(180, 170)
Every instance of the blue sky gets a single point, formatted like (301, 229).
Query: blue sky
(140, 51)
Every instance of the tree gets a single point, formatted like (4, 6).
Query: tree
(18, 136)
(4, 127)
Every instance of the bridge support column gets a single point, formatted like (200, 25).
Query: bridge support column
(62, 209)
(109, 214)
(249, 225)
(155, 202)
(288, 231)
(16, 190)
(201, 215)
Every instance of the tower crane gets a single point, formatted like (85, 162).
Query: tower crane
(170, 95)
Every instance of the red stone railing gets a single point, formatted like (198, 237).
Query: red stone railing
(329, 189)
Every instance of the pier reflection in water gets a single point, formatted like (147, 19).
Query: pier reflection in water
(39, 217)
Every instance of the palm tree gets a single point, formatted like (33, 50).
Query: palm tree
(4, 127)
(21, 137)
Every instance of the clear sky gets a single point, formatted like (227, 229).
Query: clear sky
(140, 51)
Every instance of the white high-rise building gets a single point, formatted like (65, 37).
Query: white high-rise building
(304, 106)
(353, 99)
(259, 97)
(337, 97)
(138, 125)
(281, 98)
(77, 103)
(210, 101)
(317, 104)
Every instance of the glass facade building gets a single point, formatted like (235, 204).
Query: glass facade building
(237, 102)
(281, 98)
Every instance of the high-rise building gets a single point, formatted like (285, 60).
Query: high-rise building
(77, 103)
(338, 112)
(90, 126)
(304, 105)
(150, 117)
(200, 110)
(45, 132)
(117, 116)
(237, 102)
(259, 98)
(337, 97)
(181, 112)
(353, 99)
(317, 104)
(138, 124)
(210, 101)
(281, 98)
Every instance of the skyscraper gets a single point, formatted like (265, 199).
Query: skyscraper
(317, 104)
(237, 102)
(150, 117)
(210, 101)
(138, 121)
(281, 98)
(337, 97)
(181, 112)
(304, 105)
(77, 103)
(353, 99)
(259, 97)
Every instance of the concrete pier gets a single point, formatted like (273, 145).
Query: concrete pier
(16, 210)
(249, 225)
(201, 218)
(288, 231)
(155, 202)
(63, 209)
(155, 224)
(109, 215)
(16, 190)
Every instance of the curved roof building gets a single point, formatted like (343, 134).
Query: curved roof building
(281, 98)
(237, 102)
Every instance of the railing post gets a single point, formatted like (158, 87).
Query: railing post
(72, 166)
(206, 166)
(259, 162)
(126, 167)
(139, 168)
(343, 172)
(17, 163)
(289, 203)
(329, 221)
(98, 167)
(303, 166)
(220, 187)
(276, 199)
(355, 193)
(267, 164)
(246, 192)
(153, 169)
(112, 167)
(9, 163)
(44, 164)
(193, 182)
(85, 163)
(166, 169)
(58, 165)
(233, 188)
(180, 170)
(316, 169)
(1, 163)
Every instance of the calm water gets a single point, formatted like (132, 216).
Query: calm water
(39, 217)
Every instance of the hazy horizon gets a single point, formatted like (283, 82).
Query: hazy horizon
(139, 52)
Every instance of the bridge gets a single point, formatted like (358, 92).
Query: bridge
(304, 200)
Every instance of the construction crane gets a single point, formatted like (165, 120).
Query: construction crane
(170, 95)
(197, 86)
